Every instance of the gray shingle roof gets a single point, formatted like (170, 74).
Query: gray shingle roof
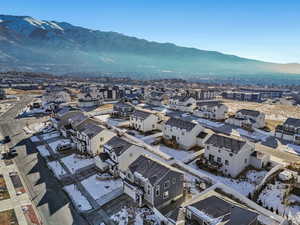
(91, 130)
(221, 141)
(249, 112)
(149, 169)
(141, 114)
(118, 145)
(292, 122)
(182, 124)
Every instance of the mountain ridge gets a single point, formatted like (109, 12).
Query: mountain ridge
(40, 45)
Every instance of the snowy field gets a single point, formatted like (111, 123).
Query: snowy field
(48, 136)
(34, 139)
(273, 197)
(53, 145)
(78, 199)
(259, 136)
(57, 169)
(295, 149)
(243, 186)
(209, 123)
(43, 150)
(73, 163)
(99, 188)
(178, 154)
(112, 122)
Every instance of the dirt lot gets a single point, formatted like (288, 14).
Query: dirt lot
(8, 217)
(11, 91)
(3, 189)
(274, 112)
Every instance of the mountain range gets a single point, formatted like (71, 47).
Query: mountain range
(29, 44)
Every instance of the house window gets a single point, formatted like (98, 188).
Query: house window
(230, 154)
(226, 162)
(167, 184)
(207, 147)
(246, 161)
(101, 139)
(182, 133)
(157, 190)
(219, 159)
(166, 195)
(153, 126)
(174, 180)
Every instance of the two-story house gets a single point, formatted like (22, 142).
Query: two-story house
(213, 110)
(153, 183)
(91, 137)
(231, 155)
(157, 98)
(60, 118)
(122, 110)
(143, 121)
(289, 130)
(247, 118)
(185, 103)
(88, 100)
(118, 154)
(182, 132)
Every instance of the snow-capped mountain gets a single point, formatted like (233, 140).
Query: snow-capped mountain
(27, 43)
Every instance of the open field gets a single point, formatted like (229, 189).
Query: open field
(274, 112)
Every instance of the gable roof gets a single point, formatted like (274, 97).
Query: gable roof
(292, 122)
(180, 123)
(249, 112)
(220, 141)
(150, 169)
(214, 207)
(91, 130)
(141, 114)
(118, 145)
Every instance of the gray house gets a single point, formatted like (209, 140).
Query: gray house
(123, 110)
(153, 183)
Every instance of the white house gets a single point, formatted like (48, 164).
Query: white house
(143, 121)
(213, 110)
(289, 130)
(231, 155)
(89, 100)
(182, 103)
(157, 98)
(248, 119)
(91, 137)
(182, 132)
(55, 95)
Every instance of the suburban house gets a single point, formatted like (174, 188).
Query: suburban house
(88, 100)
(68, 130)
(248, 119)
(91, 137)
(143, 121)
(118, 154)
(231, 155)
(242, 96)
(56, 94)
(122, 110)
(289, 130)
(183, 103)
(60, 118)
(153, 183)
(213, 110)
(206, 94)
(157, 98)
(182, 132)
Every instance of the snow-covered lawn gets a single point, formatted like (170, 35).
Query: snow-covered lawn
(57, 169)
(110, 121)
(243, 186)
(78, 199)
(74, 163)
(295, 149)
(53, 145)
(259, 136)
(99, 188)
(43, 150)
(175, 153)
(273, 197)
(34, 139)
(209, 123)
(50, 135)
(139, 216)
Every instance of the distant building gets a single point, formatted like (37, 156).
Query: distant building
(247, 119)
(289, 130)
(143, 121)
(183, 103)
(242, 96)
(265, 92)
(213, 110)
(2, 94)
(122, 109)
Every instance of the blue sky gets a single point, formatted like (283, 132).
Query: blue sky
(265, 30)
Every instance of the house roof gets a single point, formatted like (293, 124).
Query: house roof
(91, 130)
(141, 114)
(221, 141)
(118, 145)
(215, 207)
(150, 169)
(292, 122)
(249, 112)
(77, 119)
(180, 123)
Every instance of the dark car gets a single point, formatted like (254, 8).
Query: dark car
(6, 139)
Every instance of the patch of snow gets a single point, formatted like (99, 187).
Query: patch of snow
(77, 197)
(43, 150)
(209, 123)
(74, 163)
(34, 139)
(50, 135)
(53, 145)
(175, 153)
(293, 148)
(57, 169)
